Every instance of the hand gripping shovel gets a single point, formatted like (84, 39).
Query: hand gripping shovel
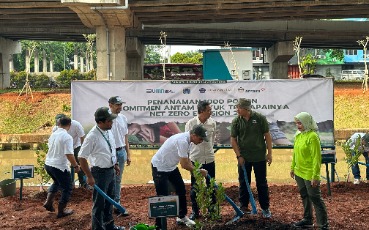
(117, 205)
(252, 200)
(238, 211)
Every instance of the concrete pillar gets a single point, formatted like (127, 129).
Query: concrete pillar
(11, 63)
(81, 65)
(51, 62)
(36, 61)
(28, 61)
(111, 53)
(44, 62)
(87, 63)
(75, 59)
(278, 56)
(7, 49)
(135, 58)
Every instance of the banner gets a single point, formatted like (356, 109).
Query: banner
(164, 107)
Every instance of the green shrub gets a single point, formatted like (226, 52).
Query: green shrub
(40, 81)
(40, 168)
(67, 76)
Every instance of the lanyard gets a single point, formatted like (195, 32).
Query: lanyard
(106, 139)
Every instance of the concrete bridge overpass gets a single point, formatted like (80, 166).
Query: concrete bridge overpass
(124, 26)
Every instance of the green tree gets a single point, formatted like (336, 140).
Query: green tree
(152, 54)
(308, 64)
(192, 57)
(335, 54)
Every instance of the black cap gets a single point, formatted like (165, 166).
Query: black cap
(116, 100)
(103, 113)
(200, 131)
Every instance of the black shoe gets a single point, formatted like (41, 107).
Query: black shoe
(118, 228)
(116, 211)
(304, 224)
(194, 216)
(245, 210)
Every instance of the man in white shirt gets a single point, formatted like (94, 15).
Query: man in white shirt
(203, 152)
(57, 160)
(120, 133)
(99, 149)
(78, 134)
(364, 149)
(164, 168)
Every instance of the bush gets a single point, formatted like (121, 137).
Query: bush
(18, 80)
(67, 76)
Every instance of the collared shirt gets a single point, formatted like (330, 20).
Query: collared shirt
(60, 143)
(120, 130)
(250, 136)
(96, 150)
(203, 152)
(169, 154)
(354, 138)
(76, 131)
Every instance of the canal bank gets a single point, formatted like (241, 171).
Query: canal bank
(32, 141)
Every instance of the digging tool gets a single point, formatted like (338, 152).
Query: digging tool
(117, 205)
(252, 200)
(238, 211)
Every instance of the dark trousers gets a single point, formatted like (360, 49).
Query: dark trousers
(81, 175)
(311, 196)
(61, 182)
(102, 217)
(210, 167)
(161, 181)
(356, 170)
(261, 183)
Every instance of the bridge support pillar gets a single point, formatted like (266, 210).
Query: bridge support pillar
(7, 49)
(278, 57)
(111, 53)
(135, 58)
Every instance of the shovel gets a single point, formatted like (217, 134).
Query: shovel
(252, 200)
(117, 205)
(238, 211)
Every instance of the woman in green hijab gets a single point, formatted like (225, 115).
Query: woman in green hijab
(305, 169)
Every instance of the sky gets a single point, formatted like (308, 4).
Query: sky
(183, 49)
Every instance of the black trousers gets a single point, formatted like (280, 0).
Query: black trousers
(261, 183)
(161, 181)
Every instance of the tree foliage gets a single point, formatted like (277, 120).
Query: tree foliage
(152, 54)
(61, 52)
(335, 54)
(308, 64)
(192, 57)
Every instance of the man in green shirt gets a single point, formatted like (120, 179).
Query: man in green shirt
(250, 139)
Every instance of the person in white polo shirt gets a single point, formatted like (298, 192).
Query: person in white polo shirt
(120, 133)
(99, 149)
(57, 160)
(164, 163)
(78, 134)
(203, 152)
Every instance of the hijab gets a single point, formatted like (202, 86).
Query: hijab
(307, 121)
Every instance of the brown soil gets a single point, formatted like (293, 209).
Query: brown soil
(347, 209)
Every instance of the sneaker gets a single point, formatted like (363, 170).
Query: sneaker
(194, 216)
(356, 181)
(185, 221)
(245, 210)
(266, 213)
(303, 224)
